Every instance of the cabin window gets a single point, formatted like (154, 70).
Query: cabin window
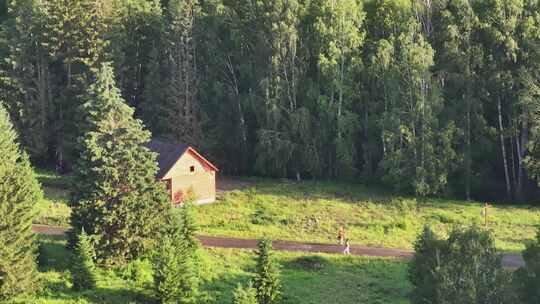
(192, 169)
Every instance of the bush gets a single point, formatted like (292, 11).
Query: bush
(261, 216)
(464, 269)
(267, 277)
(139, 272)
(245, 295)
(528, 277)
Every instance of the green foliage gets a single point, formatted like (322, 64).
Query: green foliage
(427, 97)
(379, 280)
(54, 48)
(82, 265)
(176, 263)
(116, 198)
(137, 30)
(175, 272)
(423, 267)
(139, 272)
(528, 277)
(466, 268)
(267, 276)
(245, 295)
(182, 116)
(19, 192)
(188, 228)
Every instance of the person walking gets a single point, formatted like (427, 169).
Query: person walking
(347, 249)
(341, 234)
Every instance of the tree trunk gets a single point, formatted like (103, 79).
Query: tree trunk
(468, 151)
(522, 138)
(503, 149)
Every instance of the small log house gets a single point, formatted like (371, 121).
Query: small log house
(188, 175)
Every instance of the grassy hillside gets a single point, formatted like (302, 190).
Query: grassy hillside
(310, 211)
(312, 279)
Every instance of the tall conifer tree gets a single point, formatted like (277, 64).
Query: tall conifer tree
(82, 268)
(19, 192)
(116, 197)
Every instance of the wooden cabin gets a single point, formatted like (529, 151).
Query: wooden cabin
(189, 176)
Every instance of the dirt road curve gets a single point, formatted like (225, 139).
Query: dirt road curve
(509, 260)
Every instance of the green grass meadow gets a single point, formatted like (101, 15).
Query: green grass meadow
(313, 211)
(283, 210)
(306, 278)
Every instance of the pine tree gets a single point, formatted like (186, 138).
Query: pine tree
(167, 269)
(82, 268)
(176, 264)
(188, 228)
(245, 295)
(267, 276)
(19, 192)
(75, 34)
(116, 197)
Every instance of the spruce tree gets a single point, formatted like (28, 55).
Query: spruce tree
(116, 197)
(167, 269)
(245, 295)
(19, 192)
(176, 263)
(82, 268)
(267, 277)
(188, 228)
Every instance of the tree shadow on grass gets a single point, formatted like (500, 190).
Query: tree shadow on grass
(59, 290)
(120, 296)
(53, 254)
(220, 289)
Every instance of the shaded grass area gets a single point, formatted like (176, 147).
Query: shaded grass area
(313, 211)
(311, 279)
(53, 209)
(54, 271)
(49, 178)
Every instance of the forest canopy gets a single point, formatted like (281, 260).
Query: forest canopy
(423, 96)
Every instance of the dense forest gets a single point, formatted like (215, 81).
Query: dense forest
(423, 96)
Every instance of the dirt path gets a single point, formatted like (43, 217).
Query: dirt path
(509, 260)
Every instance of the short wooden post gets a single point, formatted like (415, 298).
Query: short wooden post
(486, 206)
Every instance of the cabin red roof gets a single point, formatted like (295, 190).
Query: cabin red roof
(169, 152)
